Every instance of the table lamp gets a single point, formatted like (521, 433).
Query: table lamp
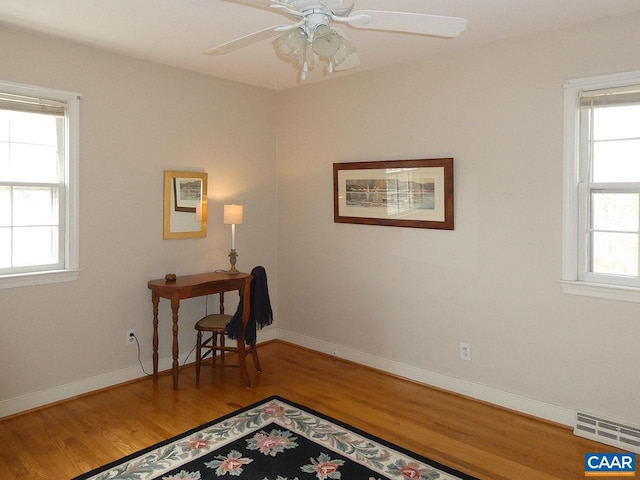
(233, 217)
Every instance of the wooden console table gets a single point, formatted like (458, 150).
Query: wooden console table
(188, 286)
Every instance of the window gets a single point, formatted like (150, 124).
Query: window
(601, 255)
(38, 185)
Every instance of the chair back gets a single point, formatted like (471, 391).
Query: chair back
(245, 303)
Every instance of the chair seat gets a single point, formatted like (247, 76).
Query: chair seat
(215, 321)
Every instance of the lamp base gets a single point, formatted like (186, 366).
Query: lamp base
(232, 259)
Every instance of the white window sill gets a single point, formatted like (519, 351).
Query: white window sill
(38, 278)
(599, 290)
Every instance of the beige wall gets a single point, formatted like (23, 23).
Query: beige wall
(137, 119)
(403, 299)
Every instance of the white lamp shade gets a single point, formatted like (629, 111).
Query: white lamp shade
(233, 214)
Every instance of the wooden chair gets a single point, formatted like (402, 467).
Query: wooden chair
(216, 325)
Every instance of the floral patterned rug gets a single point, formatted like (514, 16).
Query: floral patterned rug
(274, 439)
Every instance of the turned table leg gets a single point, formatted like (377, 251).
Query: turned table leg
(175, 305)
(155, 298)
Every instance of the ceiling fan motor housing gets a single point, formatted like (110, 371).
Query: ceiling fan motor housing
(314, 20)
(336, 7)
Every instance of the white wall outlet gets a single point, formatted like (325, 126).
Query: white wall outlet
(465, 351)
(131, 337)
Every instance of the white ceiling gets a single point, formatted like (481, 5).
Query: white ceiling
(177, 32)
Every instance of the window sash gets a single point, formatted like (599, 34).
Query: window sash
(57, 224)
(587, 271)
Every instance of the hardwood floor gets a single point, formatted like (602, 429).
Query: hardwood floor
(74, 436)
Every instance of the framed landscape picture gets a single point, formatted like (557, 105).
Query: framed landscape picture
(399, 193)
(187, 193)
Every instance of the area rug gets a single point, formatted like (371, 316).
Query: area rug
(275, 439)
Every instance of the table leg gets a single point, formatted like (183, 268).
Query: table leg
(175, 305)
(155, 299)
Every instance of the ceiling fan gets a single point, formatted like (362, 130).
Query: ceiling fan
(314, 36)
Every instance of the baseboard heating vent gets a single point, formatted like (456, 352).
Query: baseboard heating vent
(607, 431)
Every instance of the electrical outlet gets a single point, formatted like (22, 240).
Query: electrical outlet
(465, 351)
(131, 337)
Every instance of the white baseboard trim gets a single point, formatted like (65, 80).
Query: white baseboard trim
(79, 387)
(29, 401)
(518, 403)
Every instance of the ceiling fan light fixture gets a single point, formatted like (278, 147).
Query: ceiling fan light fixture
(291, 45)
(294, 48)
(344, 51)
(325, 42)
(304, 50)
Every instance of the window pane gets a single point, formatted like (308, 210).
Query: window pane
(35, 206)
(615, 211)
(33, 128)
(29, 147)
(5, 206)
(616, 122)
(35, 246)
(5, 163)
(4, 125)
(5, 247)
(615, 253)
(33, 163)
(616, 161)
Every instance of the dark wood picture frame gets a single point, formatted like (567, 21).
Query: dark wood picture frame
(187, 192)
(398, 193)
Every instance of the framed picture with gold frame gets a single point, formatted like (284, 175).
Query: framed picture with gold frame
(185, 205)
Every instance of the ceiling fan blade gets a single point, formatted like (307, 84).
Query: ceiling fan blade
(271, 5)
(264, 4)
(419, 23)
(245, 40)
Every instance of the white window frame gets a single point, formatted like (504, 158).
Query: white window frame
(71, 267)
(574, 279)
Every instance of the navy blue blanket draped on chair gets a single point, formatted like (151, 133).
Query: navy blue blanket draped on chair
(261, 314)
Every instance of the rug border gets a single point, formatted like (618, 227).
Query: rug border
(162, 443)
(386, 443)
(326, 417)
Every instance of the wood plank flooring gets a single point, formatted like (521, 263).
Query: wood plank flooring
(74, 436)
